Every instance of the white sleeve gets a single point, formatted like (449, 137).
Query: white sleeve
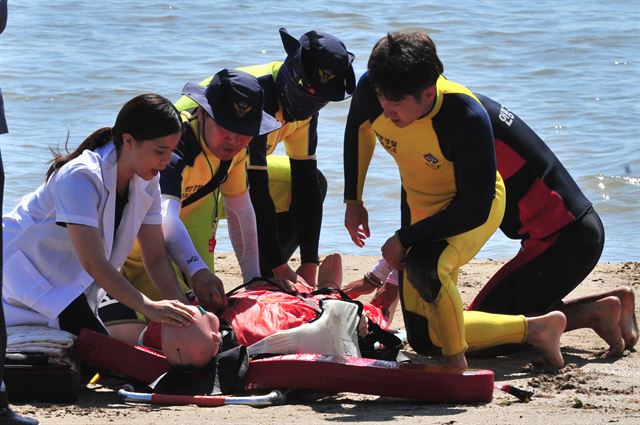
(177, 239)
(241, 221)
(393, 278)
(385, 273)
(154, 214)
(76, 197)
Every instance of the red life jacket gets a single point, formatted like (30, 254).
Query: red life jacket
(264, 310)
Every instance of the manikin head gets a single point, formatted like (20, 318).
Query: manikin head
(195, 344)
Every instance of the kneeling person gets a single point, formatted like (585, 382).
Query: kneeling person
(209, 160)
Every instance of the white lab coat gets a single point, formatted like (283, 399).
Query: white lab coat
(42, 273)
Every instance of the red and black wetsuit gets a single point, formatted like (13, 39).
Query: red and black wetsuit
(562, 236)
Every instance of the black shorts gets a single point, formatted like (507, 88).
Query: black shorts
(78, 315)
(113, 312)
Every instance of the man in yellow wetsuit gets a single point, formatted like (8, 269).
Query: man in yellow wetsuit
(287, 191)
(208, 165)
(453, 198)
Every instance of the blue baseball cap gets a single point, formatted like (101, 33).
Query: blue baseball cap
(234, 99)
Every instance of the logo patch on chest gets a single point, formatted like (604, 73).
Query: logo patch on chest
(431, 160)
(390, 145)
(190, 190)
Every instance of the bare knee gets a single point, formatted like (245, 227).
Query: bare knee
(625, 293)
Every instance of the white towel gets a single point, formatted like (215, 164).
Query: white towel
(55, 343)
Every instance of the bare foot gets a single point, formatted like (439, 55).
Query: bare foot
(580, 311)
(628, 321)
(330, 272)
(543, 332)
(605, 316)
(457, 362)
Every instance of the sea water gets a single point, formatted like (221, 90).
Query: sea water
(569, 69)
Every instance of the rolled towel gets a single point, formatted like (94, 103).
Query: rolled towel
(55, 343)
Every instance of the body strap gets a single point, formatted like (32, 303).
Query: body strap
(218, 178)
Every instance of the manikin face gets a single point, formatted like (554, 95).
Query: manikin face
(224, 144)
(195, 344)
(405, 111)
(149, 157)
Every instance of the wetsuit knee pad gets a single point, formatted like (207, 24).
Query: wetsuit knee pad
(421, 266)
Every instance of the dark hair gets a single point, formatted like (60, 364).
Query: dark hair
(146, 117)
(403, 64)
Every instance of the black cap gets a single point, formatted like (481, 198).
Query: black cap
(323, 62)
(234, 99)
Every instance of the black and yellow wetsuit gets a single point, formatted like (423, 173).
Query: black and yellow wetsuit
(452, 202)
(287, 191)
(562, 236)
(197, 178)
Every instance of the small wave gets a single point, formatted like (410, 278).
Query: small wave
(633, 181)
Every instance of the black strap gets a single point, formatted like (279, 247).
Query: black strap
(253, 280)
(225, 374)
(218, 178)
(392, 344)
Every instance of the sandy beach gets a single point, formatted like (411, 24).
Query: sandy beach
(588, 390)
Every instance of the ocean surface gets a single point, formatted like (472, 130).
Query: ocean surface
(570, 69)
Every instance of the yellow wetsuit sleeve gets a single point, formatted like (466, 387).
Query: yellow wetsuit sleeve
(236, 183)
(359, 144)
(302, 142)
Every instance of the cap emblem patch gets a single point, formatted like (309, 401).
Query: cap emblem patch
(242, 109)
(325, 75)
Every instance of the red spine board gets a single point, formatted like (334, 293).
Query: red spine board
(369, 376)
(105, 352)
(307, 371)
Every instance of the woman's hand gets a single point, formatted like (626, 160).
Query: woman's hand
(170, 312)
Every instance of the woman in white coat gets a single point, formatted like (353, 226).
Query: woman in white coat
(63, 243)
